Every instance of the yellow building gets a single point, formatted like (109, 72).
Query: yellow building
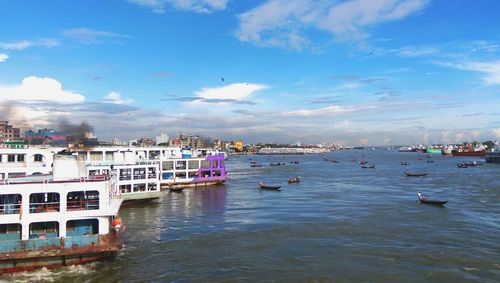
(238, 145)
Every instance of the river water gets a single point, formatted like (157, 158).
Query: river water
(342, 223)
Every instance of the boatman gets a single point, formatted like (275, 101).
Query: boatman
(420, 197)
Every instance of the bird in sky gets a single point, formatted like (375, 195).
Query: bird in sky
(222, 79)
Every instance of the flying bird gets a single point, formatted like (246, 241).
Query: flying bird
(370, 53)
(222, 78)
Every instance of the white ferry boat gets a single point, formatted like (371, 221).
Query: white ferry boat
(60, 220)
(143, 171)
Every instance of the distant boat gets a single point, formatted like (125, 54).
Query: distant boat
(462, 165)
(263, 186)
(176, 190)
(415, 174)
(294, 162)
(294, 180)
(430, 201)
(256, 165)
(405, 163)
(362, 162)
(430, 161)
(368, 166)
(277, 163)
(433, 150)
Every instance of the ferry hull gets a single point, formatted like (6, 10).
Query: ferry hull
(468, 153)
(50, 262)
(53, 257)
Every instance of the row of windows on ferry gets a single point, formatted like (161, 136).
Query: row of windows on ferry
(50, 229)
(109, 155)
(190, 164)
(11, 158)
(49, 202)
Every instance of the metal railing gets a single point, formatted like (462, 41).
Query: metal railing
(44, 207)
(83, 205)
(10, 208)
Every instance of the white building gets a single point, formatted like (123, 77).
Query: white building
(162, 138)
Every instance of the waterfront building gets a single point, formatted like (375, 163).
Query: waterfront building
(8, 132)
(46, 137)
(162, 139)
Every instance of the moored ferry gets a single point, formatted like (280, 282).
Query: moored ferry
(143, 171)
(493, 156)
(63, 219)
(479, 150)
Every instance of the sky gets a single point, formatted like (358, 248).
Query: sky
(356, 72)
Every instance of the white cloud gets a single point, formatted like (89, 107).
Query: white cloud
(116, 98)
(416, 51)
(490, 70)
(23, 44)
(279, 23)
(235, 91)
(330, 110)
(39, 89)
(90, 36)
(199, 6)
(3, 57)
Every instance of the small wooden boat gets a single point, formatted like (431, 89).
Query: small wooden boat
(430, 201)
(256, 165)
(263, 186)
(405, 163)
(294, 162)
(415, 174)
(294, 180)
(362, 162)
(462, 165)
(430, 161)
(176, 190)
(334, 161)
(368, 166)
(277, 163)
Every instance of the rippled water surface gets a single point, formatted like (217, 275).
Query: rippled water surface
(342, 223)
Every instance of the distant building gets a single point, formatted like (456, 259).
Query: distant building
(8, 132)
(238, 145)
(46, 137)
(145, 142)
(162, 139)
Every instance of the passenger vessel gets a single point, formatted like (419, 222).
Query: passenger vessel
(493, 156)
(63, 219)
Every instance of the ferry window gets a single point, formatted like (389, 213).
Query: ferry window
(82, 227)
(193, 164)
(10, 204)
(205, 164)
(82, 200)
(167, 165)
(139, 173)
(44, 202)
(94, 172)
(108, 156)
(95, 156)
(20, 157)
(180, 175)
(154, 154)
(152, 187)
(44, 230)
(139, 187)
(192, 174)
(181, 165)
(10, 232)
(11, 158)
(38, 158)
(125, 189)
(125, 174)
(1, 158)
(215, 164)
(205, 173)
(217, 173)
(151, 172)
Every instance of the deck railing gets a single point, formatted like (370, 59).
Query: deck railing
(44, 207)
(83, 205)
(10, 208)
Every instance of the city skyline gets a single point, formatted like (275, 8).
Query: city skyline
(385, 72)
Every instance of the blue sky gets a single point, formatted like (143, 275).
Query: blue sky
(374, 72)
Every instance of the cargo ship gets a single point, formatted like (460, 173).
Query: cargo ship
(63, 219)
(479, 150)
